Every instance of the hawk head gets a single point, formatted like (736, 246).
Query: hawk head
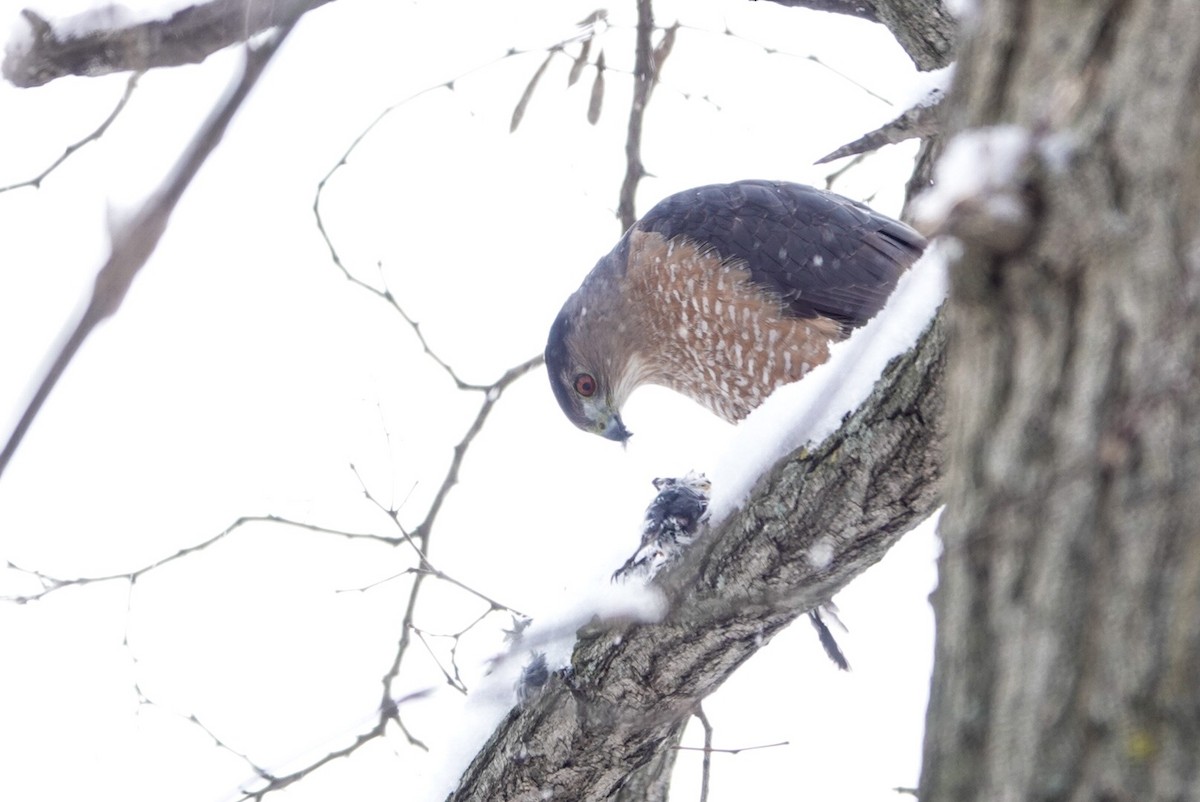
(589, 387)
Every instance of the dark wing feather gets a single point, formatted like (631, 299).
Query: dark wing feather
(824, 255)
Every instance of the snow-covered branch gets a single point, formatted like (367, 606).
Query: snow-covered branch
(818, 519)
(111, 39)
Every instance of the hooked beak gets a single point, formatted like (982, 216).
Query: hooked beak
(614, 429)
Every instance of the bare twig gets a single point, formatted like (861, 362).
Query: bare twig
(51, 583)
(384, 293)
(645, 75)
(585, 37)
(845, 168)
(710, 749)
(36, 181)
(924, 28)
(863, 9)
(706, 766)
(455, 638)
(135, 241)
(453, 680)
(922, 120)
(420, 536)
(261, 772)
(388, 710)
(494, 605)
(279, 782)
(775, 51)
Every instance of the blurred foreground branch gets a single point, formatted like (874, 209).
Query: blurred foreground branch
(135, 240)
(106, 39)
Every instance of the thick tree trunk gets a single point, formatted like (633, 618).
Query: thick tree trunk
(1068, 611)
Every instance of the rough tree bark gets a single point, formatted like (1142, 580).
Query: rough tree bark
(634, 686)
(1068, 611)
(608, 731)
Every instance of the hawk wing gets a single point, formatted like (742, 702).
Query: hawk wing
(822, 254)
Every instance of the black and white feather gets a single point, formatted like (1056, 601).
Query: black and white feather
(534, 676)
(673, 522)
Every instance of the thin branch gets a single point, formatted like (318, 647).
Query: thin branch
(492, 603)
(261, 772)
(449, 85)
(862, 9)
(393, 670)
(393, 513)
(134, 242)
(775, 51)
(453, 680)
(645, 75)
(388, 710)
(852, 81)
(922, 120)
(279, 782)
(645, 80)
(425, 528)
(833, 177)
(418, 538)
(924, 28)
(385, 294)
(455, 638)
(706, 766)
(709, 749)
(491, 394)
(51, 583)
(36, 181)
(667, 85)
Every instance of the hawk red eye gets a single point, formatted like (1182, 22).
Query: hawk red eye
(585, 385)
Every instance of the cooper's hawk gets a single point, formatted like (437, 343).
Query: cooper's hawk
(723, 293)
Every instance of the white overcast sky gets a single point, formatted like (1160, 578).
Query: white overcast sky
(244, 375)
